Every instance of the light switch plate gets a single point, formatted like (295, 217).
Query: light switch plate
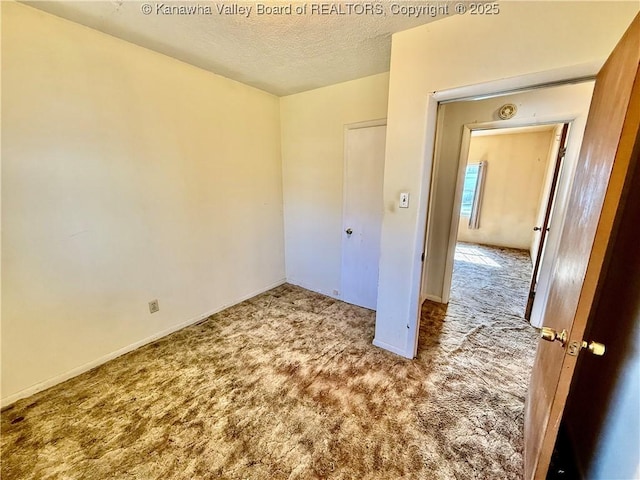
(404, 200)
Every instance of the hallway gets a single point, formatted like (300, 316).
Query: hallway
(481, 350)
(491, 278)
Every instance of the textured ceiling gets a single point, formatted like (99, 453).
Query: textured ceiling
(282, 54)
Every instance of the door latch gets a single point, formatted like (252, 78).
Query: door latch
(595, 348)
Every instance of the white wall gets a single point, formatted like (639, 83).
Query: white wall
(516, 167)
(525, 38)
(127, 176)
(313, 125)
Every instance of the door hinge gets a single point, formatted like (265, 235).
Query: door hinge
(562, 152)
(422, 257)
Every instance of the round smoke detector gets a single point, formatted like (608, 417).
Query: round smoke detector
(507, 111)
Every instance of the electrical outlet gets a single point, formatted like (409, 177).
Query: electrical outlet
(153, 306)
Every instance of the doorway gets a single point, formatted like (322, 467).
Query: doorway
(480, 319)
(544, 108)
(362, 212)
(506, 202)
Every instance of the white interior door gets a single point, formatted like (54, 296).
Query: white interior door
(362, 217)
(552, 241)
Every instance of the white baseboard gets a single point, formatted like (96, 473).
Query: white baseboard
(392, 349)
(306, 286)
(38, 387)
(433, 298)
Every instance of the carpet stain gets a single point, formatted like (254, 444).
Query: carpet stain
(287, 385)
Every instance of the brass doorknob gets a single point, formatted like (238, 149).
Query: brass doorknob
(550, 335)
(594, 347)
(349, 231)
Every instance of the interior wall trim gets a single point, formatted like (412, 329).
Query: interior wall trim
(572, 74)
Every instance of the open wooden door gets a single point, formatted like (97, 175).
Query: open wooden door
(602, 177)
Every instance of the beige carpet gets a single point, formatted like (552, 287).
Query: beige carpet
(288, 386)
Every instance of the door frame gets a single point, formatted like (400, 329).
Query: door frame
(557, 162)
(462, 163)
(379, 122)
(500, 87)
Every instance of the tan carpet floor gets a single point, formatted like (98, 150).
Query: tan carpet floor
(287, 385)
